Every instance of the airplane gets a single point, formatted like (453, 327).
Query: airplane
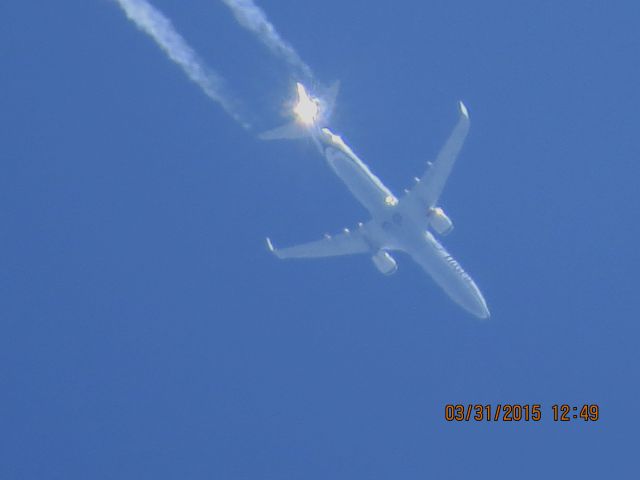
(404, 224)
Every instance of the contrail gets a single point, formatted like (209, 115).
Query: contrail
(157, 26)
(253, 18)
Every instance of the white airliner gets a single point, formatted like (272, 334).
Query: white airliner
(403, 224)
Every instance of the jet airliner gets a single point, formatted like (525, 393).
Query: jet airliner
(403, 224)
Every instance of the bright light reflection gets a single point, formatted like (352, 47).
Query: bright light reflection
(306, 110)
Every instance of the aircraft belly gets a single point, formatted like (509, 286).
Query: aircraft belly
(365, 186)
(450, 276)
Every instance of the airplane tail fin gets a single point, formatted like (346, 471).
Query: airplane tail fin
(295, 130)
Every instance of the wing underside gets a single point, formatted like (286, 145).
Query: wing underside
(345, 243)
(430, 186)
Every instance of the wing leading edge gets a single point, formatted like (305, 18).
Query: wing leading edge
(430, 186)
(345, 243)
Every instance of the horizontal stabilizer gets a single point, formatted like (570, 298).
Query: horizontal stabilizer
(290, 131)
(328, 101)
(309, 111)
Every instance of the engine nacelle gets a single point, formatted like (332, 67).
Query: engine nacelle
(439, 221)
(384, 262)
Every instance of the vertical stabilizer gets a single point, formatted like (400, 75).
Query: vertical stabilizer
(309, 112)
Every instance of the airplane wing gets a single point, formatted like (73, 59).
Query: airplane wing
(430, 186)
(345, 243)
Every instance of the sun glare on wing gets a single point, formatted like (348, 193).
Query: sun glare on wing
(307, 109)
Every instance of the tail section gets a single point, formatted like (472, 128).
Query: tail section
(310, 112)
(290, 131)
(328, 101)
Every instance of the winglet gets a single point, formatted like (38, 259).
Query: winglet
(270, 246)
(273, 249)
(463, 110)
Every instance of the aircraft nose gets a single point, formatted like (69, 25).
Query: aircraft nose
(475, 303)
(483, 312)
(479, 308)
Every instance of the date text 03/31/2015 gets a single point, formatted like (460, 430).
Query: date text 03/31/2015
(515, 412)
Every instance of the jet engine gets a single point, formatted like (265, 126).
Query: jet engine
(439, 221)
(384, 262)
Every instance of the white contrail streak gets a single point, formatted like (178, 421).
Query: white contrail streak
(160, 28)
(253, 18)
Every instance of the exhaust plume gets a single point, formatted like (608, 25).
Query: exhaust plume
(253, 18)
(151, 21)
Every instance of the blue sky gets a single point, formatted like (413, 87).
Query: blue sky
(145, 331)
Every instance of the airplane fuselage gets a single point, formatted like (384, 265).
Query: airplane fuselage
(404, 224)
(399, 224)
(394, 225)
